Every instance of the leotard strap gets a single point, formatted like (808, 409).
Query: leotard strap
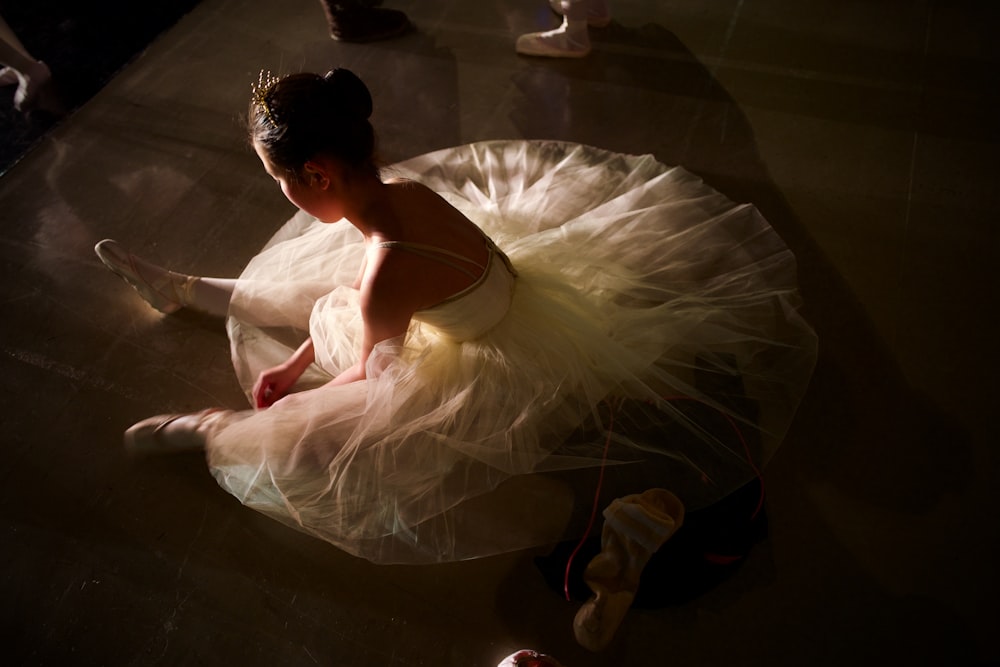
(438, 255)
(445, 256)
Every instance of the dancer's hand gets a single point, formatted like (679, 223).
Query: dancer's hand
(274, 384)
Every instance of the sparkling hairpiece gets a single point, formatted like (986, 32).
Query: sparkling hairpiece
(259, 91)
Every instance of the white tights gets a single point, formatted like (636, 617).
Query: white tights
(210, 295)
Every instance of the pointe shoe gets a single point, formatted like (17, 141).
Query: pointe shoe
(558, 43)
(529, 658)
(161, 293)
(169, 434)
(598, 14)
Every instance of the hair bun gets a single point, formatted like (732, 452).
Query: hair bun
(351, 92)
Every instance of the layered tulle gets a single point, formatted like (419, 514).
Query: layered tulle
(650, 316)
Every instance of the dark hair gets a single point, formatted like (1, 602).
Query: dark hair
(304, 115)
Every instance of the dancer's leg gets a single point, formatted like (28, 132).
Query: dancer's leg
(14, 57)
(211, 295)
(175, 434)
(7, 35)
(165, 290)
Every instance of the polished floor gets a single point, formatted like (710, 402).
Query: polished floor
(867, 132)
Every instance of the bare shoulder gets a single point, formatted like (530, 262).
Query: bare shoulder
(413, 191)
(400, 281)
(426, 214)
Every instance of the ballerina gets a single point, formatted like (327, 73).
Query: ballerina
(420, 395)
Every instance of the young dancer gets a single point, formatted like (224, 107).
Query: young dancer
(442, 355)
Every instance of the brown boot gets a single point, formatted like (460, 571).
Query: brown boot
(634, 528)
(359, 22)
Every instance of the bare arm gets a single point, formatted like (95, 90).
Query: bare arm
(275, 382)
(361, 273)
(386, 309)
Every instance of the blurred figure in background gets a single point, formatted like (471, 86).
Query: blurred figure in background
(31, 76)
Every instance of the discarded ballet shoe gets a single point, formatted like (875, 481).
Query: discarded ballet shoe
(169, 434)
(529, 658)
(365, 24)
(634, 528)
(598, 14)
(167, 292)
(559, 43)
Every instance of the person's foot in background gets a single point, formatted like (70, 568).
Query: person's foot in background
(572, 38)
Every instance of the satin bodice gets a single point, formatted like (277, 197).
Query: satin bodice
(479, 307)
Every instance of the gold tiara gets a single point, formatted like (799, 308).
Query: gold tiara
(259, 91)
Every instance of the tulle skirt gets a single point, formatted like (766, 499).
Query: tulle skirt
(652, 341)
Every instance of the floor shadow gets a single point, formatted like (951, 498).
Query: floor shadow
(861, 426)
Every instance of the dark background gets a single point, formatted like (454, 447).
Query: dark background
(84, 43)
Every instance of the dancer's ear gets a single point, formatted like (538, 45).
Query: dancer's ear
(317, 174)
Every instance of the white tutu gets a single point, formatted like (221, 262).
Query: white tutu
(650, 315)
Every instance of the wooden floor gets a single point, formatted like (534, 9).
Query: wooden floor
(867, 133)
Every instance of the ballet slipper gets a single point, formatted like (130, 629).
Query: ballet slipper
(168, 293)
(634, 528)
(169, 434)
(598, 14)
(529, 658)
(566, 41)
(31, 85)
